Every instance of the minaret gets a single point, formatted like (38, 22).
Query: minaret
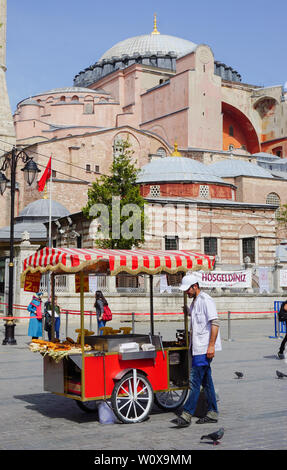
(7, 130)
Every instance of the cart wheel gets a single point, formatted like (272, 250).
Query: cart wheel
(132, 398)
(170, 400)
(88, 407)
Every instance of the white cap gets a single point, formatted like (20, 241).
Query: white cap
(188, 280)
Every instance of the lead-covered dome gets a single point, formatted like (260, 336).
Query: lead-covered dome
(174, 169)
(150, 44)
(40, 209)
(232, 168)
(155, 49)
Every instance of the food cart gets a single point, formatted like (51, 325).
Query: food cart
(130, 370)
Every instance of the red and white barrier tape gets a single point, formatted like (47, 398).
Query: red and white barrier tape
(89, 313)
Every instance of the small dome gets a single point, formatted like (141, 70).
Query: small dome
(74, 89)
(171, 169)
(151, 44)
(30, 102)
(41, 208)
(231, 167)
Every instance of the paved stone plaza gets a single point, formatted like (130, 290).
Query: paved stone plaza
(253, 411)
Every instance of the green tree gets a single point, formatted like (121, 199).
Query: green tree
(115, 201)
(281, 215)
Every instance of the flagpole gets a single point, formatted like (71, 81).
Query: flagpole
(42, 185)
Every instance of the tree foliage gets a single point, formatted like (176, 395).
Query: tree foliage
(115, 201)
(281, 216)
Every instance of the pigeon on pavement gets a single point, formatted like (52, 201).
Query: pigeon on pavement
(239, 375)
(214, 436)
(280, 375)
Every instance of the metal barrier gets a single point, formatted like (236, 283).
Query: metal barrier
(279, 326)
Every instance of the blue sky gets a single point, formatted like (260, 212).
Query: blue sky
(49, 42)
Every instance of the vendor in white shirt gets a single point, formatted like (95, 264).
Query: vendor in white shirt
(205, 340)
(48, 318)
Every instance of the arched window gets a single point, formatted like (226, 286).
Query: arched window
(63, 98)
(161, 151)
(75, 98)
(273, 198)
(118, 147)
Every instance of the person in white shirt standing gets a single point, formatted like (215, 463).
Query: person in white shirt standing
(205, 340)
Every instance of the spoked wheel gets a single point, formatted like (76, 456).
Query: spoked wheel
(88, 406)
(170, 400)
(132, 398)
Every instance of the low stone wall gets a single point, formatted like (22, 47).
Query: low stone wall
(240, 305)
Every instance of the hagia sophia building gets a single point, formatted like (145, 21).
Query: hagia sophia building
(203, 138)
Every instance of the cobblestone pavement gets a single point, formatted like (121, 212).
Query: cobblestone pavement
(253, 410)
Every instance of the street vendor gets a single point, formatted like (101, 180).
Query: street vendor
(36, 314)
(205, 340)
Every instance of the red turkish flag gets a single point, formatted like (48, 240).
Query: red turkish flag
(45, 176)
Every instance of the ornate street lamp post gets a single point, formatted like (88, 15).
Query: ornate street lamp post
(30, 170)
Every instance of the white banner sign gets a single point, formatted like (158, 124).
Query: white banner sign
(263, 280)
(228, 279)
(164, 285)
(283, 277)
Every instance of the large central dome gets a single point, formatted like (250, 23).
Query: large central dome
(150, 44)
(155, 49)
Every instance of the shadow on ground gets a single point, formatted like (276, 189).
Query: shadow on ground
(53, 406)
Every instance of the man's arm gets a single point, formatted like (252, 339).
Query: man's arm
(213, 335)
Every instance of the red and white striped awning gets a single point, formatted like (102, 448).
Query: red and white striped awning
(68, 260)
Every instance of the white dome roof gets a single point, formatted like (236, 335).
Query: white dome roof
(171, 169)
(150, 43)
(231, 167)
(41, 208)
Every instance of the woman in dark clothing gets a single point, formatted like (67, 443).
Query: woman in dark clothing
(283, 310)
(100, 302)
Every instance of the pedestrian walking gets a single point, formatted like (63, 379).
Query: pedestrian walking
(205, 340)
(99, 305)
(48, 318)
(36, 314)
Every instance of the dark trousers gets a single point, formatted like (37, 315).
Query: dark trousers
(57, 329)
(282, 346)
(200, 375)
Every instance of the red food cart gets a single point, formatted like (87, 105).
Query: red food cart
(105, 367)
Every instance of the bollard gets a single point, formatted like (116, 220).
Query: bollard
(67, 323)
(91, 329)
(229, 327)
(133, 322)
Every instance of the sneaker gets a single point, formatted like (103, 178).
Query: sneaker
(280, 355)
(182, 421)
(206, 419)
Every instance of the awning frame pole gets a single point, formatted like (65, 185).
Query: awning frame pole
(151, 304)
(52, 305)
(186, 319)
(82, 334)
